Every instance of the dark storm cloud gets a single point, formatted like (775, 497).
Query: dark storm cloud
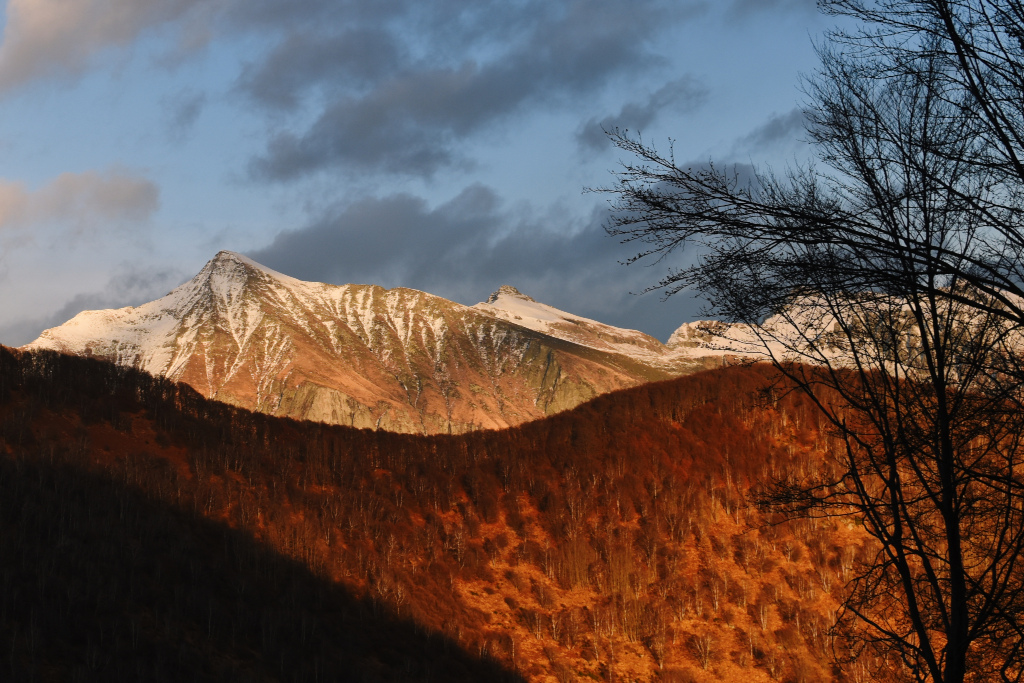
(303, 60)
(377, 239)
(360, 45)
(464, 249)
(677, 97)
(393, 85)
(405, 126)
(415, 111)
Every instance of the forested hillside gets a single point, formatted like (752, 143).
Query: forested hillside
(148, 533)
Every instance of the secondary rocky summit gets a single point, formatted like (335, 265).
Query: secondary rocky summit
(361, 355)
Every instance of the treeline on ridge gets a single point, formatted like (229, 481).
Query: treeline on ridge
(611, 542)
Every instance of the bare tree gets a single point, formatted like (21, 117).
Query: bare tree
(889, 288)
(966, 58)
(703, 649)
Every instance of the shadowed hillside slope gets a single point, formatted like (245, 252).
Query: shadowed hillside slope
(102, 583)
(611, 542)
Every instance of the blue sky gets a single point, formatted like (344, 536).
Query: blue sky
(442, 146)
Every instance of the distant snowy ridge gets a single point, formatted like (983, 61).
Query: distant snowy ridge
(690, 341)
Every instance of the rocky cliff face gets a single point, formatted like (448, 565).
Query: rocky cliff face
(360, 355)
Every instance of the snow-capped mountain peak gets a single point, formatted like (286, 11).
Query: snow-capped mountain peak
(366, 356)
(230, 264)
(507, 291)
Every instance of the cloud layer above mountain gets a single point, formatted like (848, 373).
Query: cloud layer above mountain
(87, 201)
(467, 247)
(439, 145)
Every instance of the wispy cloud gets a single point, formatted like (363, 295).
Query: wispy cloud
(182, 111)
(80, 201)
(130, 286)
(62, 38)
(680, 96)
(779, 129)
(746, 9)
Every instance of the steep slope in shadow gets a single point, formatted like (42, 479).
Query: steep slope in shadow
(100, 583)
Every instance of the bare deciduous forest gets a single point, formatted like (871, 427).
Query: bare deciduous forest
(151, 534)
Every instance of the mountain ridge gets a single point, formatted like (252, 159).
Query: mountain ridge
(399, 359)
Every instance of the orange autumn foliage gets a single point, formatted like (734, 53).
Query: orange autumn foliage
(611, 542)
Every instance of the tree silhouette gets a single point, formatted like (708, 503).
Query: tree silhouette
(888, 288)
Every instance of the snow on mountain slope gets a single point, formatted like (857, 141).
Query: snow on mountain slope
(362, 355)
(692, 343)
(509, 304)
